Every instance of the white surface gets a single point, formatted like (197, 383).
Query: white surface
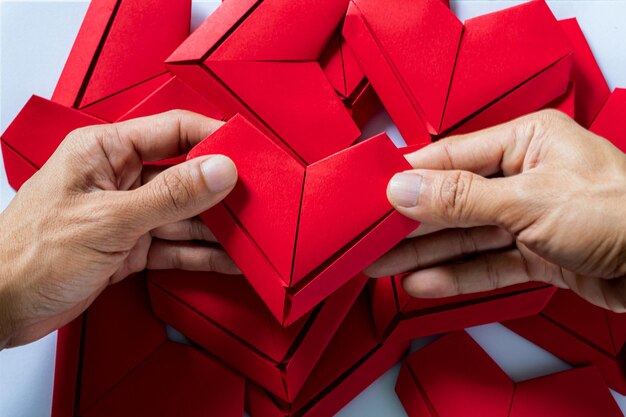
(35, 38)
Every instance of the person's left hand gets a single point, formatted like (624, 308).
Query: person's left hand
(93, 214)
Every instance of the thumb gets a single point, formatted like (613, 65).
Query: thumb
(182, 191)
(456, 198)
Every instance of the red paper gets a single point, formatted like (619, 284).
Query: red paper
(407, 318)
(226, 317)
(579, 333)
(121, 44)
(353, 360)
(592, 90)
(260, 59)
(609, 123)
(40, 127)
(296, 238)
(432, 73)
(456, 367)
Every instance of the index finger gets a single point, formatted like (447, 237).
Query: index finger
(165, 135)
(486, 152)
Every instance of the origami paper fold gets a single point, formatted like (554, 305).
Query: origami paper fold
(226, 317)
(456, 367)
(579, 333)
(120, 45)
(260, 58)
(609, 123)
(293, 229)
(116, 360)
(406, 318)
(35, 134)
(433, 73)
(354, 359)
(592, 90)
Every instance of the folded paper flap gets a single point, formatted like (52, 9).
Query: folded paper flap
(579, 392)
(608, 123)
(84, 52)
(430, 34)
(355, 338)
(211, 31)
(120, 332)
(584, 319)
(266, 199)
(592, 90)
(295, 100)
(232, 304)
(499, 51)
(17, 168)
(139, 38)
(41, 126)
(173, 95)
(284, 30)
(113, 107)
(344, 195)
(456, 365)
(175, 380)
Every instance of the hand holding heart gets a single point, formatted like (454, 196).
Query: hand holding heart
(536, 199)
(94, 214)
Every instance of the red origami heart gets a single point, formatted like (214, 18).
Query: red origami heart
(453, 377)
(260, 58)
(299, 232)
(431, 72)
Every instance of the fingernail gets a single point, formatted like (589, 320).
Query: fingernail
(219, 172)
(404, 189)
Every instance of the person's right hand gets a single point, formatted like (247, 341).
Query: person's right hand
(553, 211)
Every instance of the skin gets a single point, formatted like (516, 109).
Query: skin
(539, 198)
(536, 199)
(94, 215)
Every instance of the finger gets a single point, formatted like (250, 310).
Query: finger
(501, 148)
(484, 273)
(178, 193)
(189, 229)
(190, 257)
(453, 199)
(161, 136)
(438, 247)
(126, 145)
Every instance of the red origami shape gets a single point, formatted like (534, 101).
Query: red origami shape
(116, 360)
(120, 49)
(355, 358)
(226, 317)
(406, 317)
(299, 232)
(260, 58)
(454, 377)
(592, 90)
(579, 333)
(433, 73)
(609, 123)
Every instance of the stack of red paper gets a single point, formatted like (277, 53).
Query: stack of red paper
(296, 81)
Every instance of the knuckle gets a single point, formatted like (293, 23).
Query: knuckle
(454, 194)
(176, 191)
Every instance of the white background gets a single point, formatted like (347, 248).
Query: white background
(35, 39)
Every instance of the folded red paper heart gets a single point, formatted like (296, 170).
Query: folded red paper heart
(432, 72)
(299, 232)
(227, 318)
(453, 376)
(260, 59)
